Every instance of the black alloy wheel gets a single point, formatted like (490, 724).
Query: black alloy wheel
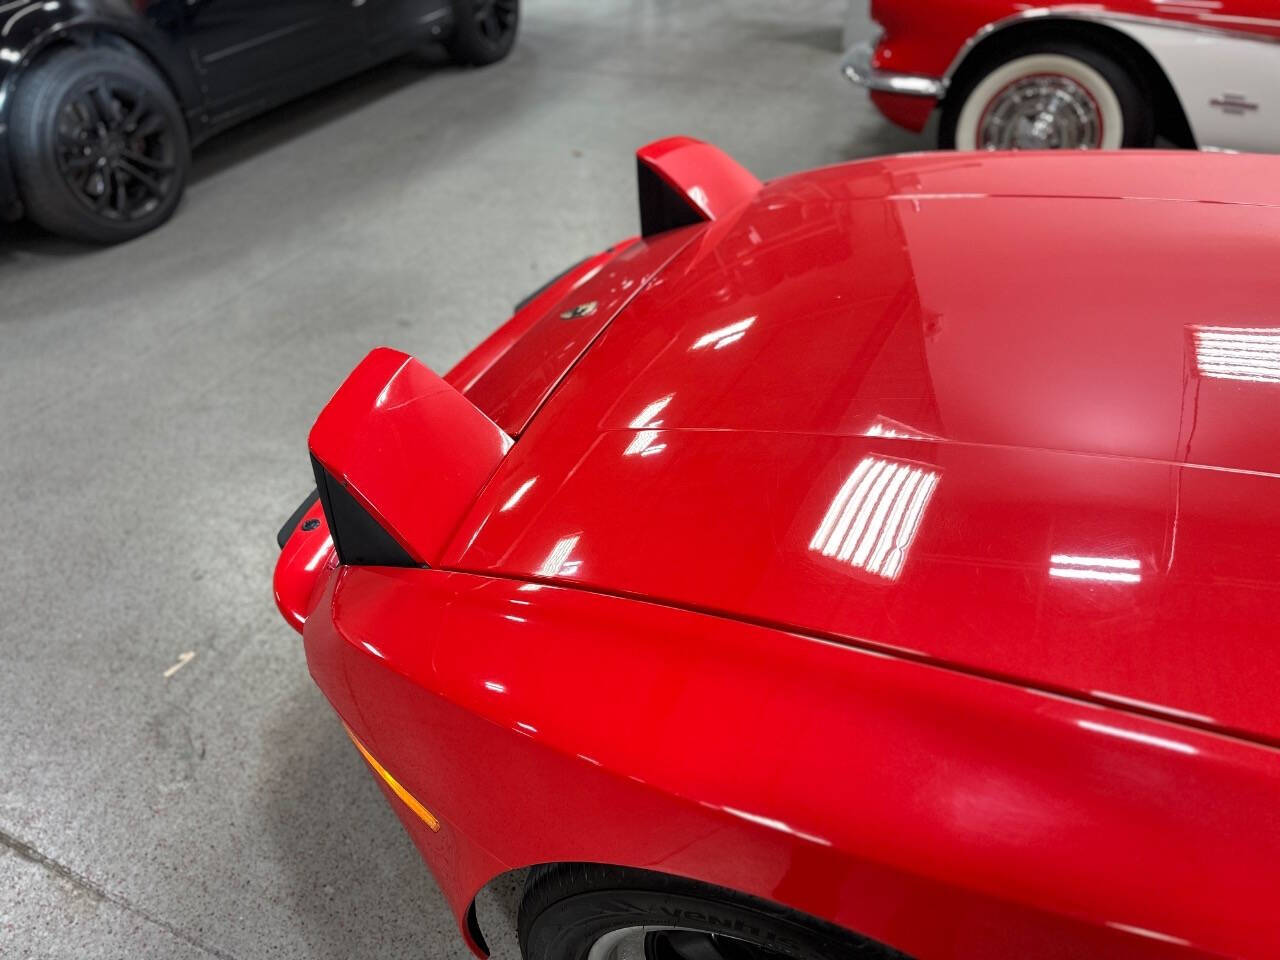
(495, 19)
(484, 31)
(100, 146)
(115, 150)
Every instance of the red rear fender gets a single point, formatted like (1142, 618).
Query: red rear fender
(540, 724)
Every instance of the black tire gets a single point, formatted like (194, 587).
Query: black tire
(568, 908)
(1129, 87)
(484, 31)
(86, 118)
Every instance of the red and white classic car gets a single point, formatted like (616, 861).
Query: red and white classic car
(1120, 73)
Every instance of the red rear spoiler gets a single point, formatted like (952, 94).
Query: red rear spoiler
(684, 181)
(399, 456)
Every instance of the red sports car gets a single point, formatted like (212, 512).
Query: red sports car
(849, 566)
(1045, 75)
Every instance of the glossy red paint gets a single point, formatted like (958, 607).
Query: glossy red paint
(718, 421)
(517, 383)
(945, 814)
(475, 364)
(905, 110)
(710, 180)
(305, 561)
(410, 448)
(931, 39)
(862, 565)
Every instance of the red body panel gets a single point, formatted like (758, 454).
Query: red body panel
(305, 560)
(927, 39)
(476, 363)
(947, 815)
(891, 555)
(715, 425)
(905, 110)
(517, 383)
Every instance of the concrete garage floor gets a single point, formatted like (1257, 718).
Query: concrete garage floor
(154, 405)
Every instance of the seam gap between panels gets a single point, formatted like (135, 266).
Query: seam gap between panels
(944, 441)
(889, 651)
(549, 395)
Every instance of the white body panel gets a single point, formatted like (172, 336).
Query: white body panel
(1229, 85)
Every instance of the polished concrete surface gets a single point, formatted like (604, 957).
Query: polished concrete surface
(154, 404)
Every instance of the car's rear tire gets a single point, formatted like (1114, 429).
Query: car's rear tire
(1048, 96)
(484, 31)
(595, 912)
(99, 145)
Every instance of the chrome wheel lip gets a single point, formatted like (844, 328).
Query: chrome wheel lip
(1042, 111)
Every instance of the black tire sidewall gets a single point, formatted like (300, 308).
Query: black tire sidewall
(566, 927)
(1125, 82)
(469, 46)
(47, 197)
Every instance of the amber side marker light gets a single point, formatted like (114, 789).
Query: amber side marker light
(423, 814)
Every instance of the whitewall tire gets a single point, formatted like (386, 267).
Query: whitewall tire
(1047, 99)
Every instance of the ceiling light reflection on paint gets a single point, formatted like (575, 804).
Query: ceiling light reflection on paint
(643, 444)
(724, 336)
(893, 429)
(645, 417)
(1149, 934)
(520, 492)
(1102, 569)
(1164, 743)
(321, 554)
(774, 824)
(1250, 354)
(873, 518)
(558, 562)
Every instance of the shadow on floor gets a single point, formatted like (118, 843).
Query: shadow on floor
(299, 117)
(243, 142)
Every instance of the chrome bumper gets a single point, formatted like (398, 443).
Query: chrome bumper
(856, 65)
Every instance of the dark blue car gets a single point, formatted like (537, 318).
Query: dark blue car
(101, 100)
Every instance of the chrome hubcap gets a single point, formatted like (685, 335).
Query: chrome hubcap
(1041, 112)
